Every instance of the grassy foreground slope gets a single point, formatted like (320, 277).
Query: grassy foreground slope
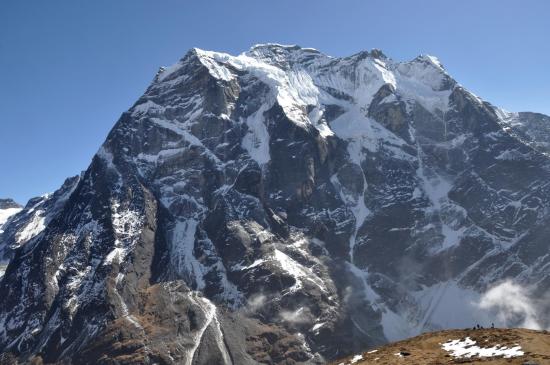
(519, 346)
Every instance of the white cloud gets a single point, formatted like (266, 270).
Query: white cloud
(256, 302)
(511, 304)
(298, 316)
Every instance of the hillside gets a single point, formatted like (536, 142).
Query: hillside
(496, 346)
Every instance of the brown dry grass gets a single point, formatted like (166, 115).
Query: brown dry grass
(426, 349)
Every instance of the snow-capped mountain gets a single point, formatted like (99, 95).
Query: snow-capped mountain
(8, 208)
(25, 223)
(281, 206)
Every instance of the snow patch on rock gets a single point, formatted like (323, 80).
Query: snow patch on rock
(467, 348)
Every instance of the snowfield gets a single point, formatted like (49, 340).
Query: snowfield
(467, 348)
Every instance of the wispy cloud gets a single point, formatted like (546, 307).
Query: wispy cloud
(298, 316)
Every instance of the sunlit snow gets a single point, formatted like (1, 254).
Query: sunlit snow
(6, 214)
(468, 348)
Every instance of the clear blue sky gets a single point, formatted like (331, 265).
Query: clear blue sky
(69, 68)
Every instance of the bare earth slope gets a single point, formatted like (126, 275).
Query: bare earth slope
(519, 346)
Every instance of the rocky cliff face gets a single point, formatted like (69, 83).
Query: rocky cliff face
(281, 206)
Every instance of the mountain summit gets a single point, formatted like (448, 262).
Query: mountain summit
(281, 206)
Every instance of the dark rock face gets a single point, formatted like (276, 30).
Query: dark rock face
(277, 207)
